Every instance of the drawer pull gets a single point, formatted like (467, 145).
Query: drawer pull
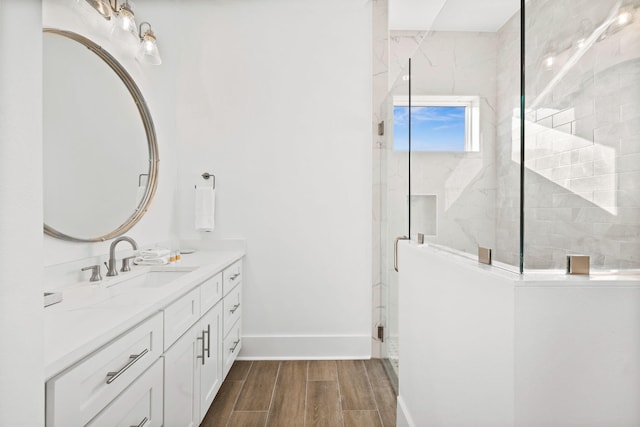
(235, 345)
(234, 308)
(234, 277)
(111, 376)
(203, 350)
(208, 332)
(142, 423)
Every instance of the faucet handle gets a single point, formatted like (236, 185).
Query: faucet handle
(95, 272)
(125, 263)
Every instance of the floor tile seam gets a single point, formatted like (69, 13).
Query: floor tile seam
(306, 394)
(375, 398)
(339, 395)
(273, 393)
(233, 408)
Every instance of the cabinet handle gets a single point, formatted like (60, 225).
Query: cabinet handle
(143, 422)
(203, 350)
(235, 345)
(234, 308)
(111, 376)
(234, 277)
(208, 332)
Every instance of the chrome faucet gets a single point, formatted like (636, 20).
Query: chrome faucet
(111, 266)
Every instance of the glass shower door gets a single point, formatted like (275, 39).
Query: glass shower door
(450, 153)
(394, 214)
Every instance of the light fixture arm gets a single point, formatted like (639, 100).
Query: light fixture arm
(148, 31)
(115, 7)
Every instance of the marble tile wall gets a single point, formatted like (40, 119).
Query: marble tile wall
(464, 184)
(507, 239)
(582, 181)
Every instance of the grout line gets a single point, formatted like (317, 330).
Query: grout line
(238, 396)
(375, 399)
(273, 393)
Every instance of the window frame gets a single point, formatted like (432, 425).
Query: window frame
(471, 122)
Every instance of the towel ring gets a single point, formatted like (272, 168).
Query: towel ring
(206, 176)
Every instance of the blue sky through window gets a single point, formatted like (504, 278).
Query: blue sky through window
(433, 128)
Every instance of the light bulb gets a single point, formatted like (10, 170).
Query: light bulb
(148, 50)
(125, 23)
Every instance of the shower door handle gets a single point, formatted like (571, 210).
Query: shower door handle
(395, 251)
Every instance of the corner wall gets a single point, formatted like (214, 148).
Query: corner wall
(21, 311)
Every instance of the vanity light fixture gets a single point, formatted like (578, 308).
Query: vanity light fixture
(103, 7)
(125, 28)
(148, 49)
(125, 22)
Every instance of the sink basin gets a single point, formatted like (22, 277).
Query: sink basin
(148, 279)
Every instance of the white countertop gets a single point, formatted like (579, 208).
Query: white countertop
(90, 315)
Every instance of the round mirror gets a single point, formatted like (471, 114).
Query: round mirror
(100, 150)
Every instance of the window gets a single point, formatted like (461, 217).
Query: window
(438, 123)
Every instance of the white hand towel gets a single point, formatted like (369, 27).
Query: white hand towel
(205, 208)
(151, 261)
(154, 252)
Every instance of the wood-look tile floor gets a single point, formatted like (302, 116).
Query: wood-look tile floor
(300, 393)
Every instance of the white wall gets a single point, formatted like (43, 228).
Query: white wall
(21, 370)
(274, 98)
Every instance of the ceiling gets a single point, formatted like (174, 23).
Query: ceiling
(451, 15)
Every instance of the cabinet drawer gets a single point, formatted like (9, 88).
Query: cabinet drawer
(210, 292)
(231, 305)
(231, 276)
(231, 347)
(140, 404)
(77, 395)
(180, 315)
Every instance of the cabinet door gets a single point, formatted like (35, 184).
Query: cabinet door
(211, 364)
(182, 380)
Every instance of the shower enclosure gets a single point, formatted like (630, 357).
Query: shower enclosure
(515, 129)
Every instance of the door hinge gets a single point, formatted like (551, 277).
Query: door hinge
(381, 128)
(381, 333)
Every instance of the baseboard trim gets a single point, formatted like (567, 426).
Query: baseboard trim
(404, 418)
(314, 347)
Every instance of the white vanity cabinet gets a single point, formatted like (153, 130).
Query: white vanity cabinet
(164, 371)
